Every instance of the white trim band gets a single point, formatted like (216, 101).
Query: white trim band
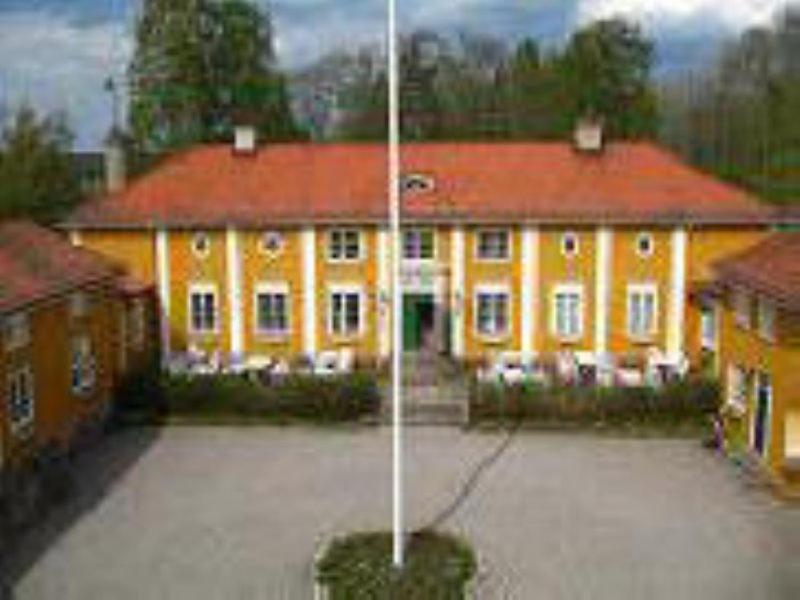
(605, 241)
(309, 243)
(677, 302)
(163, 275)
(234, 271)
(457, 292)
(384, 295)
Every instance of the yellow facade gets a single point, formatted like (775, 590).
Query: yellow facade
(627, 266)
(52, 331)
(745, 348)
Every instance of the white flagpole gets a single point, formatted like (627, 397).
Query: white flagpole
(397, 297)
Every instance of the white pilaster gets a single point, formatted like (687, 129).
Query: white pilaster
(677, 302)
(163, 276)
(458, 299)
(530, 287)
(234, 270)
(309, 241)
(382, 304)
(605, 241)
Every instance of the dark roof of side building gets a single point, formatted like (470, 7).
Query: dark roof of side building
(37, 263)
(637, 182)
(772, 268)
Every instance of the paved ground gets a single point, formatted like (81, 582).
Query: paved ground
(236, 513)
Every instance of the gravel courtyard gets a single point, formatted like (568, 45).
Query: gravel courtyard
(215, 513)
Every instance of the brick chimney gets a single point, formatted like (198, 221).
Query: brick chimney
(115, 160)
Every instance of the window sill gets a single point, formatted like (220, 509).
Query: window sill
(493, 261)
(341, 339)
(488, 338)
(269, 337)
(566, 339)
(642, 340)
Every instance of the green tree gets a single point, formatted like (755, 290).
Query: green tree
(606, 66)
(37, 178)
(199, 67)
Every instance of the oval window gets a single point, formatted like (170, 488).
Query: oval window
(271, 243)
(569, 245)
(201, 245)
(644, 245)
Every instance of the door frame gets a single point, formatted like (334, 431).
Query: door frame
(758, 377)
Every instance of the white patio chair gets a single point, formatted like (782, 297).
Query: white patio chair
(566, 366)
(326, 363)
(628, 374)
(511, 368)
(346, 360)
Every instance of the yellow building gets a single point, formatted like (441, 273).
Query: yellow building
(759, 340)
(283, 249)
(70, 328)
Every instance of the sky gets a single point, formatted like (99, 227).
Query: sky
(55, 54)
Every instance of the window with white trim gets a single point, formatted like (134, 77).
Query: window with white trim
(344, 318)
(570, 244)
(568, 311)
(741, 307)
(82, 367)
(737, 388)
(418, 244)
(344, 245)
(203, 309)
(272, 309)
(492, 311)
(766, 319)
(201, 245)
(78, 305)
(642, 310)
(271, 243)
(494, 244)
(708, 326)
(16, 331)
(20, 400)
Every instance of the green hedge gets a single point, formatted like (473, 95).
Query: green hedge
(298, 397)
(437, 567)
(689, 401)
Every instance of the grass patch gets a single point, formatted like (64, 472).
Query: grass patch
(438, 566)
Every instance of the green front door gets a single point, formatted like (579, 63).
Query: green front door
(412, 337)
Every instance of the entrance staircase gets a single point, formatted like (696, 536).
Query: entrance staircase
(434, 391)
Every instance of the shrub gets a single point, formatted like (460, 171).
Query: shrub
(437, 567)
(692, 400)
(140, 392)
(301, 397)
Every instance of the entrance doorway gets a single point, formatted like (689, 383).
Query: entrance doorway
(763, 401)
(418, 321)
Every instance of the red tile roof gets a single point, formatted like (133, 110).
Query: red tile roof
(771, 268)
(37, 263)
(209, 185)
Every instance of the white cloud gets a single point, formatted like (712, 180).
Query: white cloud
(56, 65)
(735, 14)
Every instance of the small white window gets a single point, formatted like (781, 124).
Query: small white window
(272, 309)
(418, 244)
(345, 308)
(645, 245)
(21, 401)
(742, 308)
(16, 331)
(568, 312)
(708, 327)
(570, 245)
(203, 309)
(83, 368)
(78, 305)
(766, 319)
(494, 244)
(344, 245)
(271, 243)
(737, 389)
(492, 311)
(201, 245)
(642, 310)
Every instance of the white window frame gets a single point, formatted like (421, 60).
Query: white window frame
(343, 258)
(202, 288)
(20, 427)
(709, 317)
(479, 257)
(273, 289)
(275, 235)
(565, 289)
(645, 236)
(16, 331)
(493, 289)
(82, 364)
(766, 319)
(742, 308)
(419, 231)
(576, 238)
(641, 290)
(201, 253)
(736, 396)
(346, 289)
